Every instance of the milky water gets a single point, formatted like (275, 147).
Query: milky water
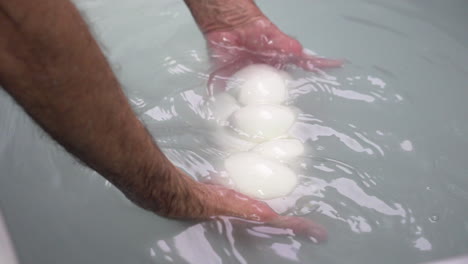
(386, 166)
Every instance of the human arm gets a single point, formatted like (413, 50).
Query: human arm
(238, 34)
(52, 66)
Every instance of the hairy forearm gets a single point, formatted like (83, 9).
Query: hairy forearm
(52, 66)
(212, 15)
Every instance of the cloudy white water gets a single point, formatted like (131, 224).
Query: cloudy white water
(385, 167)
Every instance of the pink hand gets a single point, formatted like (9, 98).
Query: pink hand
(259, 41)
(231, 203)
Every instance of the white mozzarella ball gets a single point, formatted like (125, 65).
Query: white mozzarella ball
(230, 142)
(260, 177)
(260, 84)
(287, 78)
(282, 149)
(262, 122)
(222, 106)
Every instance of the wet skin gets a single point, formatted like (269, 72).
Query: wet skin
(52, 66)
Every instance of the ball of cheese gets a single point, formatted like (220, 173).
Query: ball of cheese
(229, 141)
(222, 106)
(260, 84)
(262, 122)
(260, 177)
(283, 149)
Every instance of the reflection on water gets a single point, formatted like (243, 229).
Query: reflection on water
(342, 194)
(385, 166)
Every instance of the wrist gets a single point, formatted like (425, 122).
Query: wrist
(169, 192)
(230, 23)
(223, 15)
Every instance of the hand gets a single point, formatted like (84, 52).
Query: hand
(259, 41)
(239, 34)
(220, 201)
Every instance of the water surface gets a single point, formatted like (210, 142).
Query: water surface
(386, 170)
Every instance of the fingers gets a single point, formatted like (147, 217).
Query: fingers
(288, 50)
(301, 227)
(227, 202)
(312, 63)
(280, 60)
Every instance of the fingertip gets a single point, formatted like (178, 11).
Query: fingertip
(327, 63)
(302, 227)
(317, 233)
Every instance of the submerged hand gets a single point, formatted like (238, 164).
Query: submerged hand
(221, 201)
(259, 41)
(239, 34)
(174, 194)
